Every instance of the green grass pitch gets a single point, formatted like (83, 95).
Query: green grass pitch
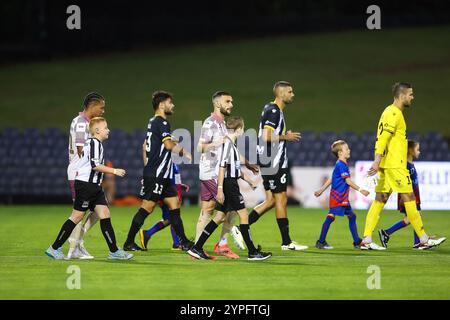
(26, 273)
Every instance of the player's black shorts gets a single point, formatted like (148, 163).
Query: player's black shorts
(276, 183)
(234, 201)
(88, 195)
(155, 189)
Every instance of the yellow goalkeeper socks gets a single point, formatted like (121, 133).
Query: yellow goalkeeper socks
(372, 218)
(414, 218)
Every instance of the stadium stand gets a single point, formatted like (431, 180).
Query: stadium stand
(36, 162)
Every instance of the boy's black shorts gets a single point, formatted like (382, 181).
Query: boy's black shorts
(234, 201)
(276, 183)
(155, 189)
(88, 195)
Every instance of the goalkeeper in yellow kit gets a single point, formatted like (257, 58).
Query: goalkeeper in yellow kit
(391, 149)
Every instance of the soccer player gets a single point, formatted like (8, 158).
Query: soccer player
(339, 201)
(93, 106)
(272, 159)
(158, 172)
(391, 149)
(89, 194)
(385, 234)
(145, 235)
(211, 140)
(229, 197)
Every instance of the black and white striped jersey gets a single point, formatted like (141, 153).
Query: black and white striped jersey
(230, 159)
(159, 164)
(272, 154)
(92, 157)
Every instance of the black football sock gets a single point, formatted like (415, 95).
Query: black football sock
(64, 234)
(245, 230)
(283, 224)
(209, 229)
(253, 217)
(108, 233)
(177, 224)
(136, 224)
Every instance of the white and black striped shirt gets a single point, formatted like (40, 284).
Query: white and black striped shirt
(92, 157)
(272, 154)
(159, 164)
(230, 159)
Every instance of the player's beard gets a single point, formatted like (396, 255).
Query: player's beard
(288, 101)
(224, 111)
(168, 112)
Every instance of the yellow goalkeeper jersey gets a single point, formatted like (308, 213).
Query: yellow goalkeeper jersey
(395, 151)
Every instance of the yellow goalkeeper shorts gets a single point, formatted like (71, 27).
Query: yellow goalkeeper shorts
(394, 180)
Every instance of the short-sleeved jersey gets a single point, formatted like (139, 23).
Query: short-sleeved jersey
(272, 154)
(213, 130)
(395, 154)
(92, 157)
(415, 184)
(79, 133)
(339, 187)
(159, 164)
(230, 159)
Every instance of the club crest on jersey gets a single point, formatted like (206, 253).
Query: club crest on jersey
(85, 204)
(272, 184)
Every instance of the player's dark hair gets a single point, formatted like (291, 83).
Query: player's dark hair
(337, 146)
(279, 84)
(412, 144)
(160, 96)
(398, 88)
(218, 94)
(235, 122)
(92, 97)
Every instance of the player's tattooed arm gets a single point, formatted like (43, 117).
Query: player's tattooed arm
(356, 187)
(322, 189)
